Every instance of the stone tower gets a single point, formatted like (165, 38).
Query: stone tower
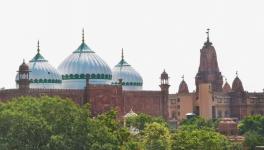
(23, 76)
(164, 86)
(208, 70)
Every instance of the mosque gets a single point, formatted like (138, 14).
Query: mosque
(84, 77)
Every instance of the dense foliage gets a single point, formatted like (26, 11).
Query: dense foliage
(199, 134)
(141, 120)
(253, 129)
(30, 123)
(55, 123)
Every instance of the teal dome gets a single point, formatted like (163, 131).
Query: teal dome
(81, 63)
(131, 79)
(42, 74)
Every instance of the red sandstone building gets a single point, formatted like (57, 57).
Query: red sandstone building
(85, 77)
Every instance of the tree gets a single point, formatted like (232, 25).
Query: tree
(156, 137)
(253, 139)
(198, 133)
(141, 120)
(55, 123)
(253, 129)
(199, 123)
(252, 123)
(21, 131)
(199, 139)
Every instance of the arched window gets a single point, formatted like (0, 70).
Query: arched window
(93, 76)
(82, 76)
(98, 76)
(76, 76)
(102, 76)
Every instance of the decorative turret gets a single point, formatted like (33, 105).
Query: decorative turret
(164, 85)
(164, 78)
(226, 87)
(183, 88)
(23, 76)
(237, 85)
(208, 70)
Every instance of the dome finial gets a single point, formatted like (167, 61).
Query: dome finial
(207, 32)
(182, 77)
(237, 73)
(23, 60)
(38, 47)
(83, 35)
(122, 55)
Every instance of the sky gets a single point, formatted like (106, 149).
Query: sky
(155, 35)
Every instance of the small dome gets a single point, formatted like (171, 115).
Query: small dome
(226, 87)
(131, 79)
(131, 113)
(42, 74)
(237, 85)
(81, 63)
(164, 75)
(183, 88)
(23, 67)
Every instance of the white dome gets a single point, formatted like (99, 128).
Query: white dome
(79, 64)
(42, 74)
(131, 79)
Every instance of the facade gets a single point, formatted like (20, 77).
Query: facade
(84, 77)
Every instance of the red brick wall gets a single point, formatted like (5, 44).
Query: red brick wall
(101, 98)
(148, 102)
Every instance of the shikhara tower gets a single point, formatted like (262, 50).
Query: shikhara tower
(208, 70)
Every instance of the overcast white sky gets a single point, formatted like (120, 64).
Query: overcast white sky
(155, 34)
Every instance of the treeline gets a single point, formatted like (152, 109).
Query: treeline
(30, 123)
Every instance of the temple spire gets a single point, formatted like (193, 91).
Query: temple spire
(182, 77)
(38, 47)
(236, 73)
(83, 35)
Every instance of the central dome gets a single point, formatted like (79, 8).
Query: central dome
(81, 63)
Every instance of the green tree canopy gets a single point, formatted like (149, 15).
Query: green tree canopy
(253, 129)
(252, 123)
(199, 139)
(156, 137)
(141, 120)
(55, 123)
(199, 123)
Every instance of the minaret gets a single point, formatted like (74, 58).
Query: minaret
(208, 70)
(23, 76)
(164, 86)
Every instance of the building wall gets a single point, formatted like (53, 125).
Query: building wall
(221, 101)
(101, 98)
(149, 102)
(180, 105)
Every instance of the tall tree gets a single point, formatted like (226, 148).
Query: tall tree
(156, 137)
